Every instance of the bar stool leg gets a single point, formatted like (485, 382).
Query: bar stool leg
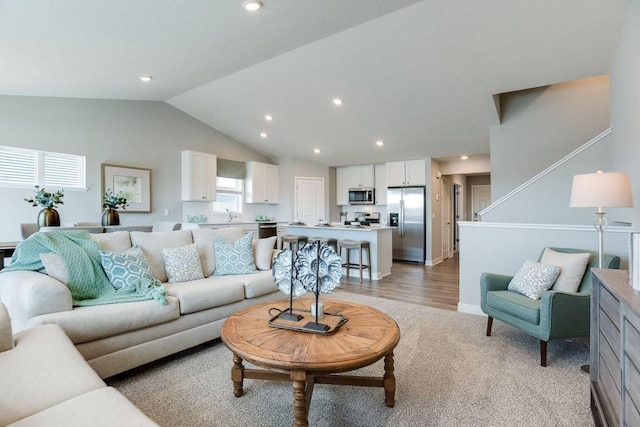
(369, 260)
(348, 262)
(360, 264)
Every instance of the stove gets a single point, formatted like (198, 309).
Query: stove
(365, 218)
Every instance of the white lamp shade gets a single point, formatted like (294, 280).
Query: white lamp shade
(601, 190)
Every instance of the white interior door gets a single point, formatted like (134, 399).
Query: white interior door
(446, 218)
(480, 198)
(310, 200)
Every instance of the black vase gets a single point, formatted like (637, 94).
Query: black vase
(110, 217)
(48, 217)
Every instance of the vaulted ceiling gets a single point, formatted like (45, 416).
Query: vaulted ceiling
(418, 75)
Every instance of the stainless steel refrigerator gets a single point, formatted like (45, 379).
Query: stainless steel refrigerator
(406, 209)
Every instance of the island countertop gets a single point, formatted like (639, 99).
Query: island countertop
(379, 238)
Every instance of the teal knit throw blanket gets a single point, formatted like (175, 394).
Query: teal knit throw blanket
(88, 282)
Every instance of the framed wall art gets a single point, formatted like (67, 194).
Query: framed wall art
(130, 182)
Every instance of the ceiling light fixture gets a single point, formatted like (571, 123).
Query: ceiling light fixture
(337, 101)
(146, 78)
(252, 5)
(263, 134)
(316, 150)
(379, 143)
(268, 117)
(464, 157)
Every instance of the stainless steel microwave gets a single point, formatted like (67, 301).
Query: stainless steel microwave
(362, 196)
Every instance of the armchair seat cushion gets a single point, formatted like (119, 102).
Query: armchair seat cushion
(516, 305)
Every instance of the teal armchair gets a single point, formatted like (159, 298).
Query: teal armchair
(555, 315)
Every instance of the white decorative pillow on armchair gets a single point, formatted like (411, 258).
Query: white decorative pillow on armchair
(534, 278)
(572, 268)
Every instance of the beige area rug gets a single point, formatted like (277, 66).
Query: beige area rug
(448, 373)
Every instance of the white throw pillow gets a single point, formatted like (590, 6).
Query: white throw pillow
(182, 264)
(534, 278)
(55, 266)
(572, 268)
(263, 252)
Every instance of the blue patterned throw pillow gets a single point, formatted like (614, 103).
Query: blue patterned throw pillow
(182, 264)
(126, 268)
(234, 257)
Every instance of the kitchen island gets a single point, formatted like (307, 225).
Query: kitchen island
(379, 238)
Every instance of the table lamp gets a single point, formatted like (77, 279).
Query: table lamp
(601, 190)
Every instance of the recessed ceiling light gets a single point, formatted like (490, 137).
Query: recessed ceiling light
(263, 134)
(316, 150)
(252, 5)
(464, 157)
(379, 143)
(337, 101)
(146, 78)
(268, 117)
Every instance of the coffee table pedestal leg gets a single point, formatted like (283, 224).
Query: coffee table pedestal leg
(300, 413)
(237, 376)
(389, 381)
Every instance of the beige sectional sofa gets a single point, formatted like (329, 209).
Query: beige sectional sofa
(114, 338)
(45, 381)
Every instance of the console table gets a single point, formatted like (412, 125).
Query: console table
(6, 250)
(615, 349)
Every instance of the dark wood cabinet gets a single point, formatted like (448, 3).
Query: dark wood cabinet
(615, 349)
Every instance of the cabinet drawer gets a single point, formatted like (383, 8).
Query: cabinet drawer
(610, 333)
(632, 350)
(631, 414)
(631, 384)
(610, 395)
(610, 363)
(610, 305)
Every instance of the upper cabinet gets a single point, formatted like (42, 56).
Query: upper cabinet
(361, 176)
(198, 176)
(262, 183)
(411, 172)
(381, 184)
(343, 182)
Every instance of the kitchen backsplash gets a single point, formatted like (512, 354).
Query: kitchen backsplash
(203, 212)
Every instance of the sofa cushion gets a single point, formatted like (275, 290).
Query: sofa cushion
(257, 284)
(234, 257)
(43, 370)
(515, 304)
(572, 268)
(118, 241)
(102, 407)
(182, 264)
(152, 244)
(263, 252)
(204, 239)
(84, 324)
(6, 337)
(127, 268)
(203, 294)
(534, 278)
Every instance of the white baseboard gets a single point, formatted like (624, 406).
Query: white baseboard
(470, 309)
(432, 262)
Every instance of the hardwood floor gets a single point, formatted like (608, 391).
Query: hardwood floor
(435, 286)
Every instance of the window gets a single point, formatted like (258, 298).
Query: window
(228, 194)
(21, 167)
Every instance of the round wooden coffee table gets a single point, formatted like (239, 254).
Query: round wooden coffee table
(308, 358)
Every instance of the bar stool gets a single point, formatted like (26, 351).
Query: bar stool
(292, 241)
(360, 245)
(326, 240)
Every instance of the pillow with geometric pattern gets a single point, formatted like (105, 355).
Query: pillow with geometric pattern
(534, 278)
(182, 264)
(234, 257)
(126, 268)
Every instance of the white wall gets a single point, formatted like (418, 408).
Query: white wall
(503, 248)
(540, 126)
(625, 104)
(131, 133)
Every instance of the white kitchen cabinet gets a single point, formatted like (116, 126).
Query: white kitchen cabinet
(198, 176)
(262, 183)
(381, 184)
(411, 172)
(361, 176)
(343, 182)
